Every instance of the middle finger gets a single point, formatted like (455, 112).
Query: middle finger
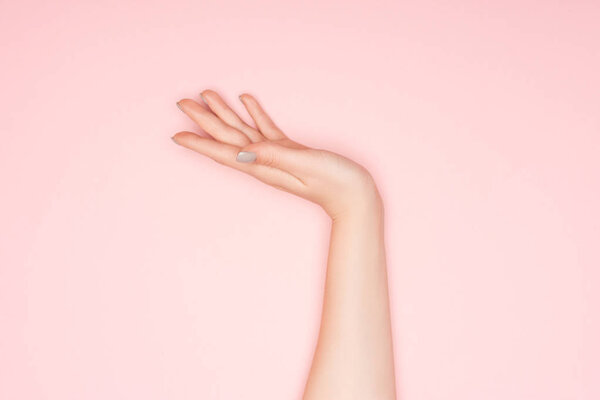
(223, 111)
(212, 124)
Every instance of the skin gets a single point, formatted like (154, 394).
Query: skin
(353, 358)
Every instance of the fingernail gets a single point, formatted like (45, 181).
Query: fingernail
(173, 139)
(240, 97)
(203, 99)
(246, 156)
(178, 105)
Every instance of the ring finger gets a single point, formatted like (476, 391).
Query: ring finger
(223, 111)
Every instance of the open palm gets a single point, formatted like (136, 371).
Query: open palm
(336, 183)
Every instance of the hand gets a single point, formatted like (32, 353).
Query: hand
(339, 185)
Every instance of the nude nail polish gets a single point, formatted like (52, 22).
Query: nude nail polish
(246, 156)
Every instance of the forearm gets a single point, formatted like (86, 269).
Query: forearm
(354, 356)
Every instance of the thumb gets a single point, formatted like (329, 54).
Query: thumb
(273, 155)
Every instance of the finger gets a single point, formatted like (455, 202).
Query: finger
(212, 124)
(227, 115)
(296, 161)
(263, 122)
(226, 154)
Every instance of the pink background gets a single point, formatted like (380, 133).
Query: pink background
(132, 268)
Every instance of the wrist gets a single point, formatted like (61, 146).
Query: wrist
(366, 203)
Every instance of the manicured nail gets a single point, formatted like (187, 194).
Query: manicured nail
(173, 139)
(178, 105)
(203, 99)
(240, 97)
(246, 156)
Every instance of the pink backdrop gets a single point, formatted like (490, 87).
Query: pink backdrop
(132, 268)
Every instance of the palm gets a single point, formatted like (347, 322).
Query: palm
(317, 175)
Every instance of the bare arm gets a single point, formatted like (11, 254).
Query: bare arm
(353, 358)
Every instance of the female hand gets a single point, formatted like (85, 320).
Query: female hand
(336, 183)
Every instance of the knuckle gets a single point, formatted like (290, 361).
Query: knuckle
(239, 138)
(269, 159)
(270, 154)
